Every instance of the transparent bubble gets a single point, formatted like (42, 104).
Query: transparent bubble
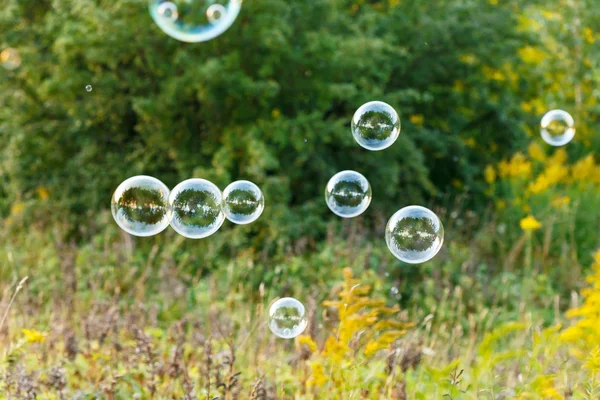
(243, 202)
(139, 206)
(414, 234)
(10, 58)
(557, 128)
(348, 194)
(194, 20)
(375, 125)
(196, 208)
(287, 318)
(88, 88)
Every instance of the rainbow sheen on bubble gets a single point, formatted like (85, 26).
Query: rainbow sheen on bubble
(243, 202)
(139, 206)
(375, 125)
(557, 128)
(194, 20)
(287, 318)
(348, 194)
(414, 234)
(195, 205)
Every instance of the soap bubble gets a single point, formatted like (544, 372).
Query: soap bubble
(348, 194)
(196, 208)
(287, 318)
(375, 125)
(139, 206)
(88, 88)
(243, 202)
(194, 20)
(10, 58)
(557, 128)
(414, 234)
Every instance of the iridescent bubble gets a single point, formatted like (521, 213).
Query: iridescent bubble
(414, 234)
(196, 208)
(287, 318)
(375, 125)
(194, 20)
(243, 202)
(139, 206)
(10, 58)
(348, 194)
(557, 128)
(88, 88)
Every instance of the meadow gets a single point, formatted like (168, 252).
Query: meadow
(509, 308)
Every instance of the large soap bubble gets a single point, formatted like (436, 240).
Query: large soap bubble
(139, 206)
(414, 234)
(196, 208)
(243, 202)
(287, 318)
(194, 20)
(348, 194)
(557, 128)
(375, 125)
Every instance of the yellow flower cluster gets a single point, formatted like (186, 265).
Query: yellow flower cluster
(517, 167)
(364, 328)
(33, 336)
(529, 223)
(587, 329)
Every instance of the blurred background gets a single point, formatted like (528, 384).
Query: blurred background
(107, 315)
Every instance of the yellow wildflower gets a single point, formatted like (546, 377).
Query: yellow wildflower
(43, 193)
(317, 377)
(531, 55)
(490, 174)
(536, 152)
(307, 340)
(493, 2)
(275, 113)
(33, 336)
(470, 142)
(559, 157)
(588, 34)
(417, 119)
(529, 223)
(584, 169)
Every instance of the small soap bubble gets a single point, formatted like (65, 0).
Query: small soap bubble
(348, 194)
(196, 208)
(375, 125)
(414, 234)
(194, 20)
(287, 318)
(243, 202)
(139, 206)
(10, 58)
(88, 88)
(557, 128)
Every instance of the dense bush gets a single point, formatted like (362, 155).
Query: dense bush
(270, 101)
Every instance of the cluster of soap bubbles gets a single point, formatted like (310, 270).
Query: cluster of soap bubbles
(414, 234)
(195, 208)
(194, 20)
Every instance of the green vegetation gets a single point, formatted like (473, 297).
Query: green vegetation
(504, 311)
